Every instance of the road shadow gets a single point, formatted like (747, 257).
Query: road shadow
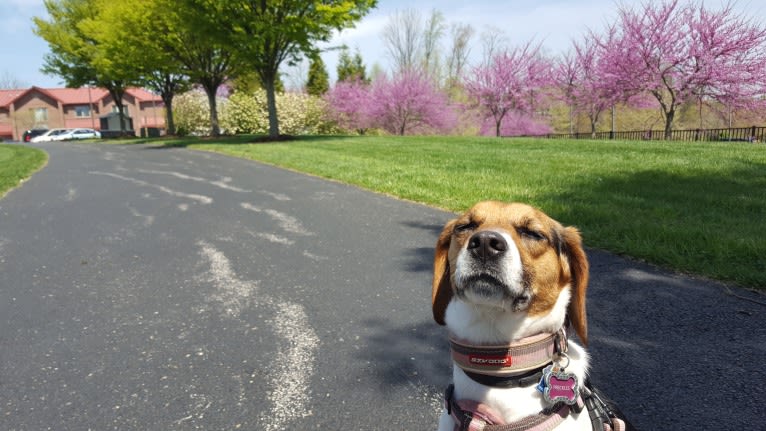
(407, 354)
(434, 228)
(419, 259)
(659, 341)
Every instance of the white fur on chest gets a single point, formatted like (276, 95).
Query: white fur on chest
(486, 326)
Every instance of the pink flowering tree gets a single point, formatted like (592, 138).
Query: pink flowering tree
(513, 81)
(350, 105)
(410, 103)
(583, 81)
(678, 51)
(565, 77)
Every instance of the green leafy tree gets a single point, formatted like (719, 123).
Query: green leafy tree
(351, 68)
(318, 81)
(76, 55)
(206, 60)
(249, 82)
(267, 33)
(141, 51)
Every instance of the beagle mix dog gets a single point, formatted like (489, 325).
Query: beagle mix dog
(508, 283)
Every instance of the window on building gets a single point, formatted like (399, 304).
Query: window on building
(82, 111)
(40, 115)
(124, 110)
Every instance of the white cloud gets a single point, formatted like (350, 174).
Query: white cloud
(364, 30)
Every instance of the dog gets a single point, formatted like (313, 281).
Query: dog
(509, 283)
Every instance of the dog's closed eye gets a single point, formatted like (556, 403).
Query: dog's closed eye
(531, 234)
(465, 227)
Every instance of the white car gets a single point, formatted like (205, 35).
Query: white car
(50, 135)
(78, 134)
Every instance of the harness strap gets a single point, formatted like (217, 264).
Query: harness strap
(473, 416)
(602, 417)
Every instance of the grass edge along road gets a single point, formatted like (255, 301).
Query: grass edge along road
(698, 208)
(17, 163)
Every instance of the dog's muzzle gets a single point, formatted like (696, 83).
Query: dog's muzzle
(485, 271)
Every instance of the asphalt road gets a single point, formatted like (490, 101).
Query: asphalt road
(167, 289)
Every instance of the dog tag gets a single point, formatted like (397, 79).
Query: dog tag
(560, 386)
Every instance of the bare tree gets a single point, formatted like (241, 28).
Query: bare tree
(434, 30)
(9, 82)
(458, 55)
(493, 41)
(402, 36)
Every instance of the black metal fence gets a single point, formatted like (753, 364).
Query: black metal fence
(741, 134)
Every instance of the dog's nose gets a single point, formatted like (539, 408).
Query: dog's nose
(487, 245)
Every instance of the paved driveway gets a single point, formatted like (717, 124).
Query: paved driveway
(168, 289)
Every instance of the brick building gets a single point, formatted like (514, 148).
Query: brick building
(50, 108)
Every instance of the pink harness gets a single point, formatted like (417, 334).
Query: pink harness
(474, 416)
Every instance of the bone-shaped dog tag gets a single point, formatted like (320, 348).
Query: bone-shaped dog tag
(561, 386)
(558, 385)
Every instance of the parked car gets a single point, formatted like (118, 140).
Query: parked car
(78, 134)
(31, 133)
(50, 135)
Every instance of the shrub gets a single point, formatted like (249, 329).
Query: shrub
(246, 113)
(191, 113)
(298, 114)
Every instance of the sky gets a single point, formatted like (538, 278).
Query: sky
(553, 23)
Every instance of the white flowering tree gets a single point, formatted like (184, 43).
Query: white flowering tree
(247, 113)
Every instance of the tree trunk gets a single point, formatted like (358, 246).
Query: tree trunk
(117, 96)
(210, 90)
(669, 123)
(571, 119)
(271, 105)
(171, 125)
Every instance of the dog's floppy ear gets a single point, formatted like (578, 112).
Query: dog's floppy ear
(441, 289)
(578, 267)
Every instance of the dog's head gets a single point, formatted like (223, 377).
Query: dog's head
(512, 257)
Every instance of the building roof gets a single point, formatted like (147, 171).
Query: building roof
(77, 96)
(73, 96)
(8, 96)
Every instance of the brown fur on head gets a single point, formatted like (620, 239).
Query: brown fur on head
(551, 255)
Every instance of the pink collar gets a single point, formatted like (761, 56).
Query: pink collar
(501, 360)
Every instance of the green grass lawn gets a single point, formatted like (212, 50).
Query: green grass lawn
(18, 163)
(697, 208)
